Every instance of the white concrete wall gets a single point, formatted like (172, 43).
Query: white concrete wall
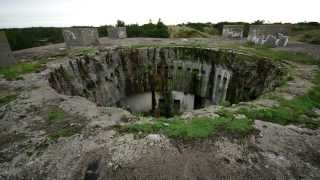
(186, 100)
(143, 102)
(140, 102)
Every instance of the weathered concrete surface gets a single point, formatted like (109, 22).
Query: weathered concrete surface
(117, 32)
(6, 56)
(271, 35)
(222, 77)
(74, 37)
(233, 31)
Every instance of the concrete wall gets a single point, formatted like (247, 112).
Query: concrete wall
(189, 76)
(221, 81)
(271, 35)
(117, 32)
(186, 100)
(233, 31)
(143, 102)
(6, 56)
(75, 37)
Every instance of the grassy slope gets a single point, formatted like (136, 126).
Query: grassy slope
(273, 54)
(299, 110)
(186, 32)
(308, 36)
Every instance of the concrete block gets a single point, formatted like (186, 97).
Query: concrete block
(75, 37)
(6, 56)
(233, 31)
(117, 32)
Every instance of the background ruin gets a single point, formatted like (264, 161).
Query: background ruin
(74, 37)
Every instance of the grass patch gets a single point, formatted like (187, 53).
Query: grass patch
(5, 100)
(90, 51)
(13, 72)
(55, 116)
(196, 128)
(60, 124)
(296, 111)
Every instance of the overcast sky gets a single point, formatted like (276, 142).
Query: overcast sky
(26, 13)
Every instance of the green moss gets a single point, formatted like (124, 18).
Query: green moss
(7, 99)
(13, 72)
(55, 116)
(196, 128)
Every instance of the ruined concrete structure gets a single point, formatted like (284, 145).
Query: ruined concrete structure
(170, 79)
(75, 37)
(6, 56)
(233, 31)
(117, 32)
(270, 35)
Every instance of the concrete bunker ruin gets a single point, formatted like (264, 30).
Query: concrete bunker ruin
(117, 32)
(6, 56)
(233, 31)
(167, 80)
(270, 35)
(75, 37)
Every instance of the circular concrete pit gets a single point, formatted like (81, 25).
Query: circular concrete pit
(167, 80)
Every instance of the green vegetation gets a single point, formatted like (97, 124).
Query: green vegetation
(186, 32)
(280, 55)
(274, 54)
(158, 30)
(299, 110)
(306, 32)
(5, 100)
(61, 124)
(32, 37)
(191, 129)
(90, 51)
(55, 116)
(311, 36)
(13, 72)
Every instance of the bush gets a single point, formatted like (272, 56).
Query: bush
(33, 37)
(158, 30)
(13, 72)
